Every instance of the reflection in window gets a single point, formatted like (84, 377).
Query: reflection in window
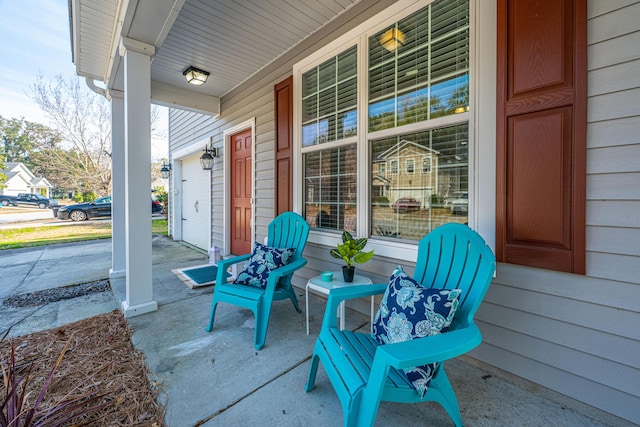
(330, 188)
(426, 164)
(410, 165)
(418, 203)
(428, 76)
(418, 179)
(329, 100)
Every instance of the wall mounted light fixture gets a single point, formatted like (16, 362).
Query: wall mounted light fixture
(392, 39)
(195, 76)
(206, 160)
(165, 171)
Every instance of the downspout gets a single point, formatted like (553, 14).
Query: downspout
(97, 89)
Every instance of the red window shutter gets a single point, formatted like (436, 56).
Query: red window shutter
(283, 107)
(541, 133)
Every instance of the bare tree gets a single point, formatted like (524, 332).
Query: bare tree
(81, 158)
(82, 118)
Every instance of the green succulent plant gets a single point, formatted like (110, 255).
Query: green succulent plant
(351, 250)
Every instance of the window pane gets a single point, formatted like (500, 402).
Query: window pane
(347, 124)
(309, 83)
(330, 188)
(423, 74)
(407, 205)
(347, 64)
(329, 99)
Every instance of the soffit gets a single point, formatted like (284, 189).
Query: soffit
(92, 26)
(232, 39)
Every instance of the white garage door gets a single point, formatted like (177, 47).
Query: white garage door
(196, 203)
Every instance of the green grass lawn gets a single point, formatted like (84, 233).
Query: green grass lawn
(48, 235)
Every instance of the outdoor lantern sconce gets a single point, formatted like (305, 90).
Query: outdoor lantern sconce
(165, 171)
(195, 76)
(392, 39)
(206, 160)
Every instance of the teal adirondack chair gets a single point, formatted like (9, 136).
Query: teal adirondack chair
(287, 230)
(364, 372)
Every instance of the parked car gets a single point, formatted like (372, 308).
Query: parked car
(406, 204)
(460, 206)
(99, 208)
(28, 199)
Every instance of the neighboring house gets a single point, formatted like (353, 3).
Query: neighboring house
(409, 169)
(21, 180)
(543, 137)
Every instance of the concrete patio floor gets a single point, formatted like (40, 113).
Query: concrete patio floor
(219, 379)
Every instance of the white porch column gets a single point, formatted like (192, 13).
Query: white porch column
(118, 238)
(137, 108)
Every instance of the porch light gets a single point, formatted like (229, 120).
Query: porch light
(392, 39)
(195, 76)
(206, 160)
(165, 171)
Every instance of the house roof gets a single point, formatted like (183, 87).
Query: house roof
(232, 39)
(40, 182)
(393, 151)
(21, 171)
(14, 168)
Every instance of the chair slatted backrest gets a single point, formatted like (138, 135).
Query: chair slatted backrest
(288, 230)
(453, 256)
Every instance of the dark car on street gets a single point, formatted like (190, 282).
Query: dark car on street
(28, 199)
(99, 208)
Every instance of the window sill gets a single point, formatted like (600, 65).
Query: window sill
(385, 248)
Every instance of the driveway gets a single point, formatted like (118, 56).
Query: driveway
(19, 217)
(12, 214)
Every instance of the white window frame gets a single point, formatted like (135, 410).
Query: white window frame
(430, 162)
(481, 118)
(394, 166)
(413, 165)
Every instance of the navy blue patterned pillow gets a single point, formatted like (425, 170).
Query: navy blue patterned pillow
(263, 260)
(407, 311)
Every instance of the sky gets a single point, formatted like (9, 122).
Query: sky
(34, 38)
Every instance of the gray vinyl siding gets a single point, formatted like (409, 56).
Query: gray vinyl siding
(578, 335)
(575, 334)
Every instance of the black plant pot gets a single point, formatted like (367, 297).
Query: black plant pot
(348, 272)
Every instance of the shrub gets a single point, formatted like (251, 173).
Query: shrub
(89, 196)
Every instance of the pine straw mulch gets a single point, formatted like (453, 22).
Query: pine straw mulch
(101, 342)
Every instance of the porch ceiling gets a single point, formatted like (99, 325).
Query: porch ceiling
(232, 39)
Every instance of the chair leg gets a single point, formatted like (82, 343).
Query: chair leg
(313, 372)
(262, 324)
(294, 299)
(442, 392)
(214, 303)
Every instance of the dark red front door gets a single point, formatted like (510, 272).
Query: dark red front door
(241, 192)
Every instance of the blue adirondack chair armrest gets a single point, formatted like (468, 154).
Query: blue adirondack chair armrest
(278, 273)
(224, 264)
(337, 295)
(436, 348)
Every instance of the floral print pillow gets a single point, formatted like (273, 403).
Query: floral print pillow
(263, 260)
(407, 311)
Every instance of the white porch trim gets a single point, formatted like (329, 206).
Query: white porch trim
(137, 109)
(118, 234)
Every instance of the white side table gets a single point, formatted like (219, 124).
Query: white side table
(317, 285)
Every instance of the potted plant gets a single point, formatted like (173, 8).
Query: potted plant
(350, 251)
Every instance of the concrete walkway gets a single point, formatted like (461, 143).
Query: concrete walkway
(218, 379)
